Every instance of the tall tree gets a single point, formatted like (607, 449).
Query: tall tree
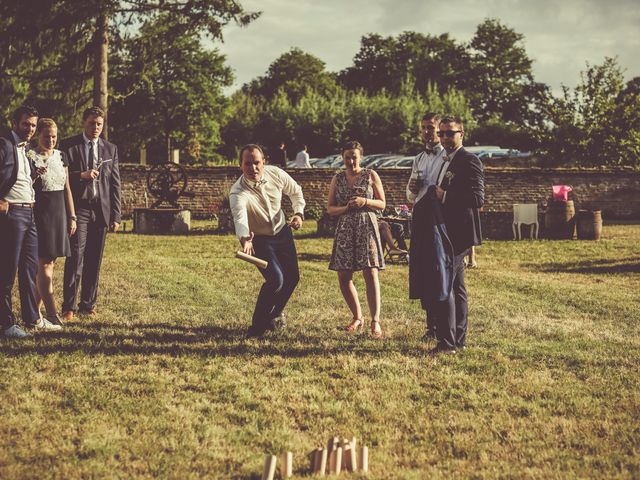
(597, 123)
(500, 82)
(180, 82)
(294, 72)
(385, 62)
(83, 28)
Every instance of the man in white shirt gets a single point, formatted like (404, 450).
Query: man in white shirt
(263, 231)
(427, 167)
(302, 158)
(18, 234)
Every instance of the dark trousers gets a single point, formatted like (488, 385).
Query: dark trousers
(18, 254)
(451, 314)
(84, 263)
(429, 308)
(280, 277)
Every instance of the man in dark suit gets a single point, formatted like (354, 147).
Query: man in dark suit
(461, 191)
(18, 235)
(94, 177)
(279, 156)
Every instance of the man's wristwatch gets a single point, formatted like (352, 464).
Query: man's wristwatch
(298, 214)
(73, 217)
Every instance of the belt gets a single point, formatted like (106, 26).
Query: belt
(22, 205)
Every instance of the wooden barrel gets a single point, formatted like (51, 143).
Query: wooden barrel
(589, 224)
(559, 220)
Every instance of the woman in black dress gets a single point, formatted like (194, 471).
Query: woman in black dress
(54, 205)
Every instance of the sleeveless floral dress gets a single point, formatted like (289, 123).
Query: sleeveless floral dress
(356, 244)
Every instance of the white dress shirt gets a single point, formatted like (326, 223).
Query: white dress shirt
(430, 165)
(302, 159)
(22, 191)
(256, 206)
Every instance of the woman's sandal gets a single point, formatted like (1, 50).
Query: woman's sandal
(376, 329)
(355, 325)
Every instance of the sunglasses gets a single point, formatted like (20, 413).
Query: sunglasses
(448, 133)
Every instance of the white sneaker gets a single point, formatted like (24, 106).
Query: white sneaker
(55, 319)
(14, 331)
(45, 325)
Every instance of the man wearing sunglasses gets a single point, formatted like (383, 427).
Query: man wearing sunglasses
(460, 189)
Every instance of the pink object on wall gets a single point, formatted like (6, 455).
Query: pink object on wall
(561, 192)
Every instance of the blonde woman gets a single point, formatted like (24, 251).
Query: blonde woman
(354, 196)
(54, 212)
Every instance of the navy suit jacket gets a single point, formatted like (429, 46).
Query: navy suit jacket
(108, 180)
(9, 164)
(465, 196)
(431, 265)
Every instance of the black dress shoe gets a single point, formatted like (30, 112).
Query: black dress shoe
(442, 350)
(255, 331)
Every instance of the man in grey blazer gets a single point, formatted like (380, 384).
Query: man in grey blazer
(94, 177)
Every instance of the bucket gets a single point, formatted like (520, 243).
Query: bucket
(589, 224)
(561, 192)
(559, 220)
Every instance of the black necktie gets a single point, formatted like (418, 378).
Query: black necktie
(92, 188)
(92, 158)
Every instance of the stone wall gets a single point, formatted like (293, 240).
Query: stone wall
(616, 193)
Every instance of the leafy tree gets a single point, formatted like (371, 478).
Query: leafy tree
(383, 122)
(179, 82)
(74, 35)
(598, 122)
(295, 73)
(385, 62)
(501, 83)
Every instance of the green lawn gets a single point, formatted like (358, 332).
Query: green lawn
(162, 384)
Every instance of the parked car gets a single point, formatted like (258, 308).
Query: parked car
(399, 162)
(326, 162)
(369, 159)
(378, 163)
(478, 149)
(501, 153)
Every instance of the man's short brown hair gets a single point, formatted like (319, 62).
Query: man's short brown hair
(452, 119)
(27, 110)
(249, 148)
(92, 111)
(431, 116)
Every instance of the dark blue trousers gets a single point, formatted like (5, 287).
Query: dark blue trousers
(18, 254)
(280, 277)
(451, 321)
(82, 268)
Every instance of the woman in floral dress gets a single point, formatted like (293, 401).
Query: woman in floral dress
(54, 205)
(354, 195)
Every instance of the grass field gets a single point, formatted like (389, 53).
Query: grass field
(162, 384)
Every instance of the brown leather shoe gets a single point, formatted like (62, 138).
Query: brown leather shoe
(67, 316)
(91, 312)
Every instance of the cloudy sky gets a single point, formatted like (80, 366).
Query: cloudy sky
(560, 36)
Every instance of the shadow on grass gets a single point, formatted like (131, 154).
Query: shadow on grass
(314, 257)
(629, 265)
(208, 341)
